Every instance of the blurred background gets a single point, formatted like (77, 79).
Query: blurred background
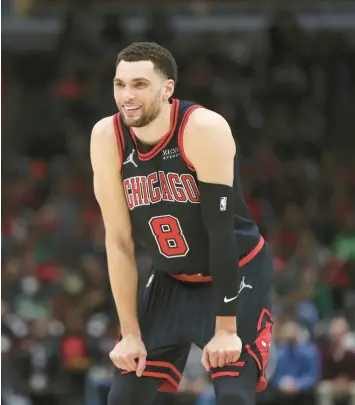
(283, 74)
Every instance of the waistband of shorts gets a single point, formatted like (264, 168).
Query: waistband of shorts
(200, 278)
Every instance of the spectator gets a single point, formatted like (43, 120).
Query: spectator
(11, 386)
(344, 243)
(338, 374)
(298, 367)
(38, 365)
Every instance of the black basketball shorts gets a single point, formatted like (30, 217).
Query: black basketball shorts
(176, 311)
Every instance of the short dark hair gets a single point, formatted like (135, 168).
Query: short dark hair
(163, 60)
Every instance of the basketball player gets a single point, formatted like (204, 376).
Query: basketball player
(165, 175)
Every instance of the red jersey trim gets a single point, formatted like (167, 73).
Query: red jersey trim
(166, 138)
(169, 384)
(225, 374)
(119, 135)
(226, 371)
(165, 364)
(200, 278)
(185, 118)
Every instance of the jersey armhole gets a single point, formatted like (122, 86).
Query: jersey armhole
(119, 136)
(184, 120)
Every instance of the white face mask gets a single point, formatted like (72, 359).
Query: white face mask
(73, 284)
(30, 286)
(56, 328)
(97, 325)
(5, 344)
(17, 326)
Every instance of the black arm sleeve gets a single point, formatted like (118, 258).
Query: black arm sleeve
(217, 207)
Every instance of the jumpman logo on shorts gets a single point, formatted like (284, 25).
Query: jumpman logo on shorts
(242, 286)
(130, 159)
(149, 281)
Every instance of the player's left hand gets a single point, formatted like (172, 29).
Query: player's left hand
(224, 348)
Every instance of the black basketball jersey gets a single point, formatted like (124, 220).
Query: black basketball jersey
(162, 194)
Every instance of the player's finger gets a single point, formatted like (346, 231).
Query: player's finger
(205, 360)
(233, 356)
(231, 360)
(221, 358)
(213, 357)
(121, 362)
(130, 362)
(141, 364)
(114, 359)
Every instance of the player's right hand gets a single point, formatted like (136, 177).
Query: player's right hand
(130, 354)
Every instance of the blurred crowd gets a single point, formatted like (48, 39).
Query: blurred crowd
(291, 105)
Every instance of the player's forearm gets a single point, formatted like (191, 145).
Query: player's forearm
(224, 273)
(226, 324)
(218, 216)
(124, 281)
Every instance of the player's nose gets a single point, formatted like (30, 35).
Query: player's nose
(128, 95)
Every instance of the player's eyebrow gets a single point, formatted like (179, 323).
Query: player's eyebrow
(136, 79)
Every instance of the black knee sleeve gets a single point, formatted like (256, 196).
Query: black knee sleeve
(235, 397)
(131, 390)
(237, 390)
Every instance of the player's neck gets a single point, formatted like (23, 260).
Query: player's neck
(157, 129)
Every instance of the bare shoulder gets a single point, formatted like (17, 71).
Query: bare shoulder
(202, 118)
(103, 145)
(209, 131)
(103, 129)
(209, 147)
(108, 187)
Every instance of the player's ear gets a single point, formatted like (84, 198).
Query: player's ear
(169, 88)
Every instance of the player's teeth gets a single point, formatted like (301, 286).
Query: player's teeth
(131, 108)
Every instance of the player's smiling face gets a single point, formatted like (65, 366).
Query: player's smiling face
(139, 91)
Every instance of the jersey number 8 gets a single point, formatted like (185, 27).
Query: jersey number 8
(169, 236)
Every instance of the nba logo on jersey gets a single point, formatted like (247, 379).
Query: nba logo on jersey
(223, 204)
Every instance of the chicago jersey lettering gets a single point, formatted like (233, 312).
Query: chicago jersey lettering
(158, 186)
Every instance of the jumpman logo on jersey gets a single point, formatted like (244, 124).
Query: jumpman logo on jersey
(242, 286)
(130, 159)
